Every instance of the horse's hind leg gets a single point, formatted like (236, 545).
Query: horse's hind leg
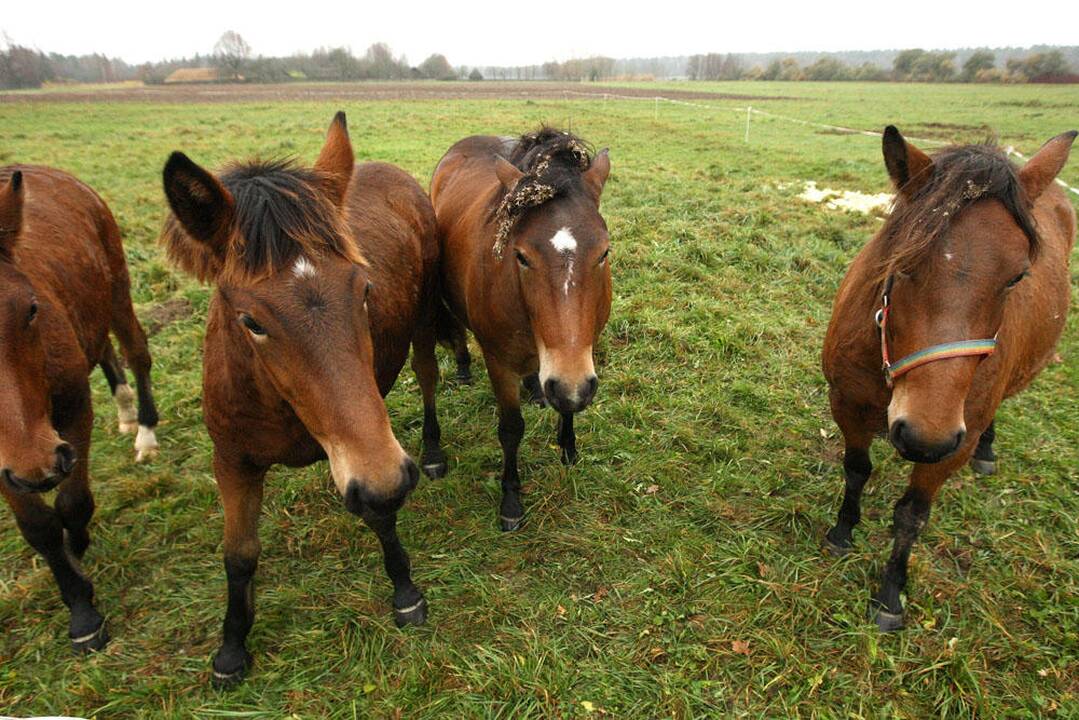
(567, 439)
(137, 352)
(122, 393)
(984, 461)
(909, 519)
(43, 529)
(451, 332)
(425, 366)
(857, 468)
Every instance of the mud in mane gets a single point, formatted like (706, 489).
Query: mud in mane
(552, 162)
(962, 176)
(281, 211)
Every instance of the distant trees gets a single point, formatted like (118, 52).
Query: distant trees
(918, 65)
(231, 53)
(21, 67)
(1039, 67)
(475, 75)
(715, 66)
(980, 62)
(437, 67)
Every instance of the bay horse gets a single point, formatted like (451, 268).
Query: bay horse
(63, 285)
(324, 277)
(524, 267)
(961, 297)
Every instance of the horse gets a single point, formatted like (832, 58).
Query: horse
(63, 285)
(525, 269)
(323, 278)
(956, 304)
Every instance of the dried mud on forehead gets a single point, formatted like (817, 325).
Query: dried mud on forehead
(484, 90)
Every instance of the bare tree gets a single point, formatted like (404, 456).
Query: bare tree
(231, 54)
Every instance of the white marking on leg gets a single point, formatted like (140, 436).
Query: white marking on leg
(563, 241)
(412, 608)
(145, 443)
(303, 268)
(126, 414)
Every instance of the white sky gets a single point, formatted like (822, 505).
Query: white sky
(518, 33)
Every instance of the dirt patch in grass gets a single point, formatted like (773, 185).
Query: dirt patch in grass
(164, 314)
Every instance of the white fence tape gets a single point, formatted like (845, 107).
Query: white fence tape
(749, 111)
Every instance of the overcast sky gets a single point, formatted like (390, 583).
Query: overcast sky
(518, 33)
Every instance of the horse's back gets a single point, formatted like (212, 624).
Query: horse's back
(70, 249)
(394, 226)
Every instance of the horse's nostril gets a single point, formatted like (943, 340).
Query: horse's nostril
(590, 387)
(65, 458)
(550, 387)
(959, 437)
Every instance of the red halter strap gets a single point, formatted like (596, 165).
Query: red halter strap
(943, 351)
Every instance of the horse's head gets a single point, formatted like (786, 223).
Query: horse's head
(959, 243)
(561, 250)
(274, 239)
(33, 458)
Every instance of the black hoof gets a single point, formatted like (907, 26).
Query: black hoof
(887, 621)
(569, 457)
(91, 642)
(510, 524)
(983, 467)
(225, 675)
(463, 376)
(435, 470)
(834, 549)
(415, 614)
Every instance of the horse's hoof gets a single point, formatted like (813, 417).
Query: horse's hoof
(983, 467)
(463, 377)
(887, 621)
(415, 614)
(569, 457)
(509, 524)
(91, 642)
(146, 446)
(834, 549)
(229, 676)
(435, 470)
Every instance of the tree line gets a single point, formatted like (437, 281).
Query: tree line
(232, 60)
(915, 65)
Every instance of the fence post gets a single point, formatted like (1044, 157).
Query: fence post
(749, 114)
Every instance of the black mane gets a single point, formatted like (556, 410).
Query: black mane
(552, 162)
(962, 175)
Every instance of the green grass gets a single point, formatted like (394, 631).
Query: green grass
(675, 572)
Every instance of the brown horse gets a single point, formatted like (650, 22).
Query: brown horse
(324, 278)
(524, 252)
(968, 283)
(63, 284)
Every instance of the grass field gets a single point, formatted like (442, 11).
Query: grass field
(676, 571)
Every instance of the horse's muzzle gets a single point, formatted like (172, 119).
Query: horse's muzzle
(359, 500)
(911, 446)
(568, 399)
(63, 463)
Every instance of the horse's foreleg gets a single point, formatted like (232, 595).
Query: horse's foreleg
(909, 519)
(567, 439)
(511, 428)
(74, 501)
(409, 605)
(984, 461)
(533, 390)
(240, 486)
(425, 366)
(43, 529)
(857, 468)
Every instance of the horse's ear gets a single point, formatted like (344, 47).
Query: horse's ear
(336, 159)
(909, 167)
(508, 173)
(199, 201)
(1046, 164)
(595, 177)
(11, 199)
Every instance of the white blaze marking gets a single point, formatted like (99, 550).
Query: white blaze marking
(303, 268)
(563, 241)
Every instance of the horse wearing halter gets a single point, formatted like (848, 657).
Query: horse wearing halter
(942, 351)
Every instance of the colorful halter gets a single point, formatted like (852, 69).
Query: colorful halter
(943, 351)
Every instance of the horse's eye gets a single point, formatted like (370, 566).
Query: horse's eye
(521, 259)
(251, 325)
(603, 257)
(32, 315)
(1016, 280)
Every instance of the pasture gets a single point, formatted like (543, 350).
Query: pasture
(676, 570)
